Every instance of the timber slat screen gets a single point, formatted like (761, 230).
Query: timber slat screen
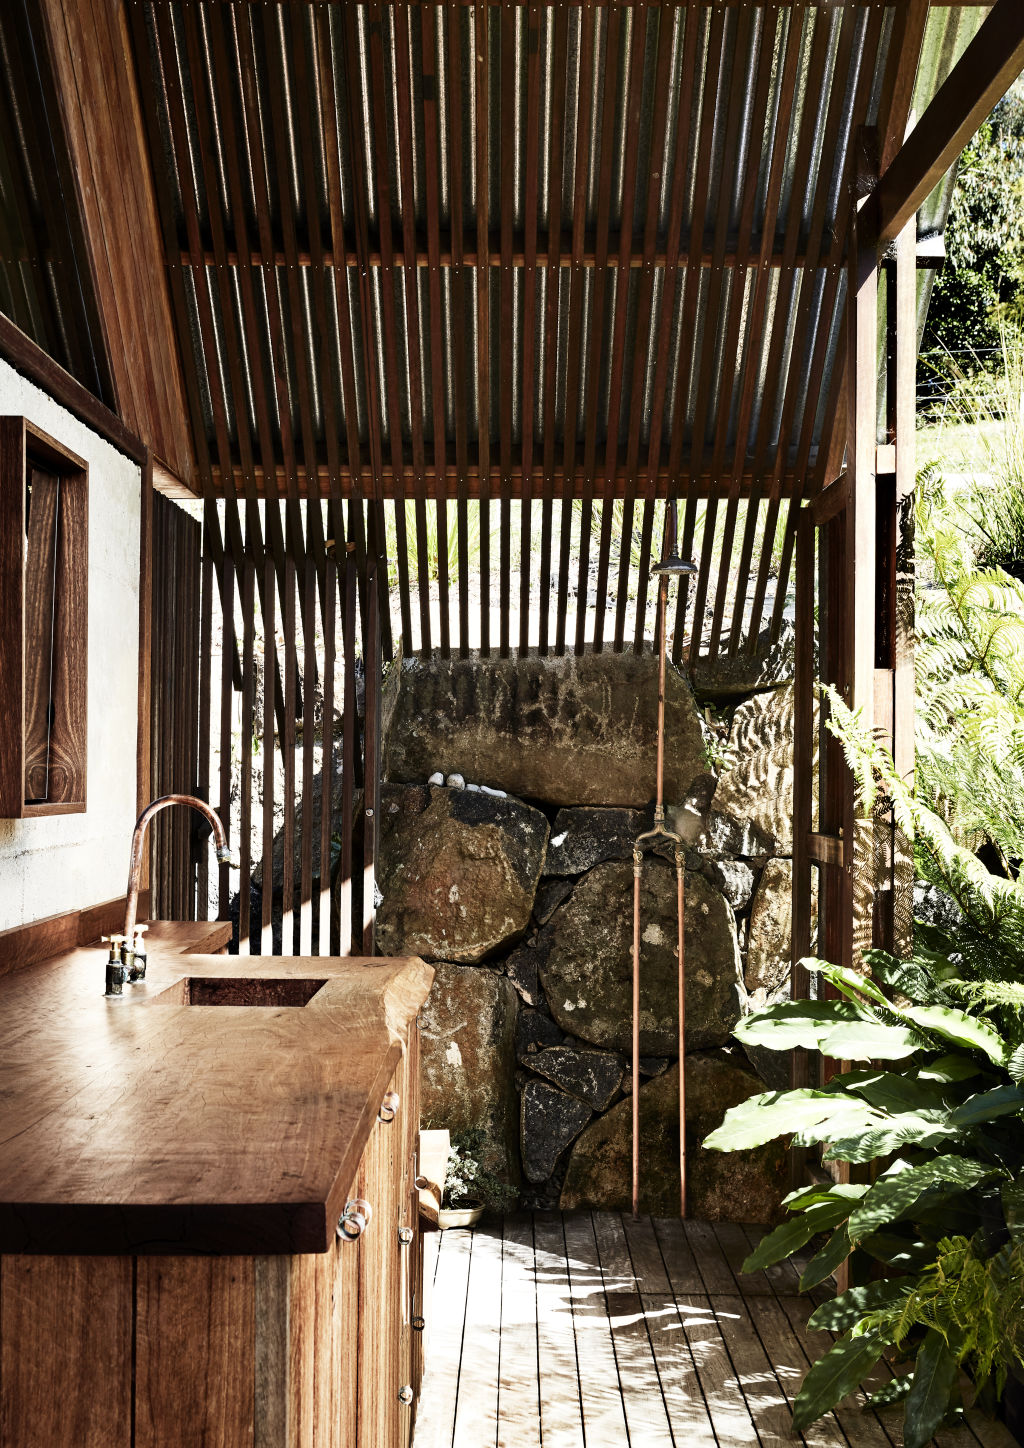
(463, 294)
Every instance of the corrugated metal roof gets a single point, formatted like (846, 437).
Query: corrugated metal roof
(766, 99)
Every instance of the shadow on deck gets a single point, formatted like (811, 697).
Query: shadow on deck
(559, 1331)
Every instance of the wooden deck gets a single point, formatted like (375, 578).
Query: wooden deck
(551, 1331)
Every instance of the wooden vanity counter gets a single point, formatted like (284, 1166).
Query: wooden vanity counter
(172, 1172)
(148, 1125)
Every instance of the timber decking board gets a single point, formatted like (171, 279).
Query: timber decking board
(623, 1334)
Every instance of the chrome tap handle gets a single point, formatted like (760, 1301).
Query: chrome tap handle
(354, 1220)
(389, 1107)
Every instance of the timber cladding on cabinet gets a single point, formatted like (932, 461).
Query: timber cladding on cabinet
(279, 1351)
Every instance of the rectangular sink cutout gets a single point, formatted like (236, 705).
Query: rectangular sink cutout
(197, 990)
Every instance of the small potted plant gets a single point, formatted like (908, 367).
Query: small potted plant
(470, 1188)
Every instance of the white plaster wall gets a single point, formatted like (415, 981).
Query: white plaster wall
(68, 862)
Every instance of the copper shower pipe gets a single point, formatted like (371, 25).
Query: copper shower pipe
(670, 564)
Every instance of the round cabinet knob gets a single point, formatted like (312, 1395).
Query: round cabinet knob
(389, 1107)
(355, 1219)
(406, 1395)
(405, 1236)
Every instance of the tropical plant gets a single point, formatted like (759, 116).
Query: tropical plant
(945, 1215)
(467, 1182)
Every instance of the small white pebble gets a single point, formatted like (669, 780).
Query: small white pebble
(456, 781)
(437, 778)
(497, 793)
(473, 788)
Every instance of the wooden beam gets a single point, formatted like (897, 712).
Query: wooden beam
(980, 78)
(665, 482)
(94, 75)
(26, 357)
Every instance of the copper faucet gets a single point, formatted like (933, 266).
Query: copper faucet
(127, 961)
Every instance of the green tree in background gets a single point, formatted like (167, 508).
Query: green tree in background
(983, 276)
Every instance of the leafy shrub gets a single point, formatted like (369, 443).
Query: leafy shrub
(467, 1183)
(944, 1218)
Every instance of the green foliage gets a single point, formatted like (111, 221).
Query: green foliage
(467, 1182)
(944, 1215)
(984, 235)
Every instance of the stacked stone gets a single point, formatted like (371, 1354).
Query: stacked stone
(523, 900)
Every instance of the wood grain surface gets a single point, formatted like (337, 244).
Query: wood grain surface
(138, 1125)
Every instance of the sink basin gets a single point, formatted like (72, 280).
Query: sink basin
(196, 990)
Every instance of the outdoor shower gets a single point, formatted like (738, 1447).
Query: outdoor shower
(670, 564)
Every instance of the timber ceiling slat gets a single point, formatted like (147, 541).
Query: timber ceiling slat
(410, 285)
(906, 45)
(704, 341)
(552, 287)
(791, 282)
(432, 170)
(575, 281)
(691, 27)
(645, 297)
(481, 159)
(787, 37)
(799, 385)
(509, 143)
(459, 276)
(531, 188)
(599, 300)
(747, 40)
(634, 100)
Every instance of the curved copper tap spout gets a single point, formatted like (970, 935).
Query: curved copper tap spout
(224, 853)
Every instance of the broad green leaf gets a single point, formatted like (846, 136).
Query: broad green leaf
(914, 1129)
(935, 1376)
(780, 1113)
(843, 1312)
(987, 1105)
(949, 1069)
(894, 1391)
(910, 978)
(894, 1195)
(851, 983)
(796, 1023)
(832, 1255)
(805, 1196)
(960, 1028)
(891, 1091)
(791, 1235)
(869, 1041)
(835, 1375)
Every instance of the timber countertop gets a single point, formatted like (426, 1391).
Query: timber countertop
(150, 1125)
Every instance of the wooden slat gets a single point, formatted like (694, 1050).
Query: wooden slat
(65, 1343)
(519, 1417)
(561, 1414)
(269, 760)
(476, 1411)
(195, 1357)
(481, 166)
(573, 355)
(246, 781)
(530, 283)
(459, 276)
(634, 98)
(507, 329)
(599, 1390)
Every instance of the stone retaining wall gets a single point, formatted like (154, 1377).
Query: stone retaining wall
(513, 792)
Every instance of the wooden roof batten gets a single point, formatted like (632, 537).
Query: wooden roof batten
(344, 290)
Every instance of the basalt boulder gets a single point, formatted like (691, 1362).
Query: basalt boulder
(570, 730)
(740, 1186)
(591, 1076)
(582, 838)
(587, 976)
(467, 1062)
(458, 872)
(550, 1120)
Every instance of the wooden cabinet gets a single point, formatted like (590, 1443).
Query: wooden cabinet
(304, 1351)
